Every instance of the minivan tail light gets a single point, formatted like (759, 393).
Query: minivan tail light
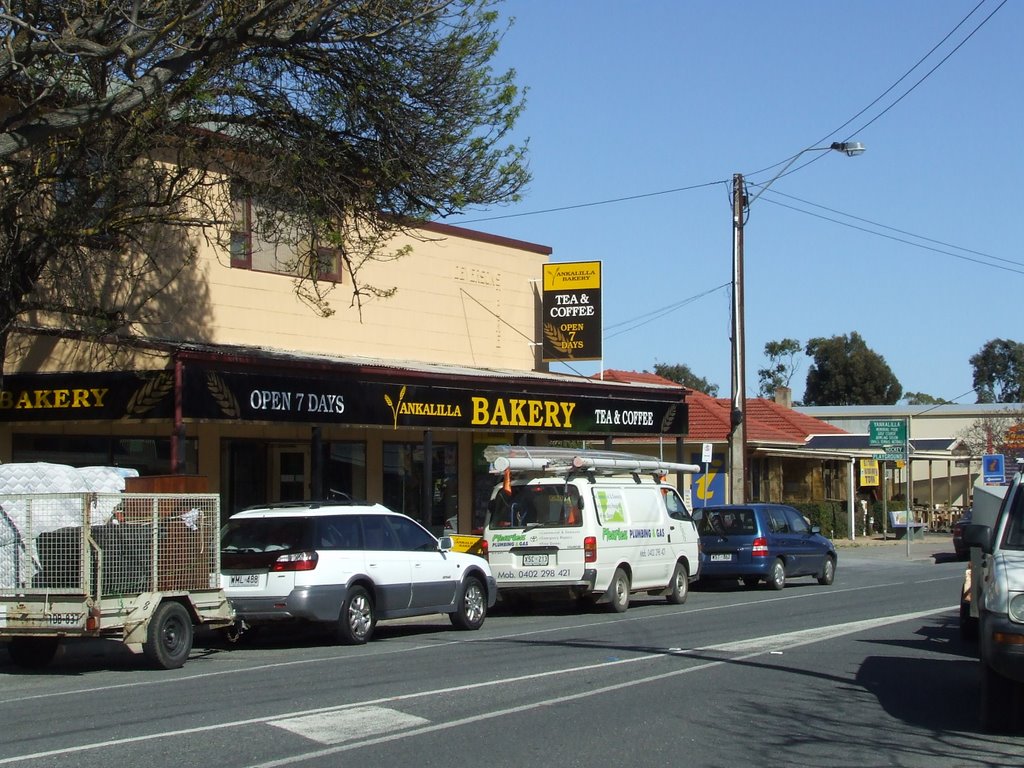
(760, 547)
(590, 549)
(296, 561)
(484, 549)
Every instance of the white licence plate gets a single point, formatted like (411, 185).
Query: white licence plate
(721, 558)
(535, 559)
(244, 580)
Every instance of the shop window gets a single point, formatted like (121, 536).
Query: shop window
(345, 470)
(403, 483)
(148, 455)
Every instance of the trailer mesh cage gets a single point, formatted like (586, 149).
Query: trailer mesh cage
(108, 544)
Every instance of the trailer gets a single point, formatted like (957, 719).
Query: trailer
(139, 568)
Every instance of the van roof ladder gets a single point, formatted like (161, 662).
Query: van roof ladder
(561, 460)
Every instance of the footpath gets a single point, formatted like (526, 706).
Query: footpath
(928, 546)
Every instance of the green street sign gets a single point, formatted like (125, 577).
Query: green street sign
(887, 432)
(888, 456)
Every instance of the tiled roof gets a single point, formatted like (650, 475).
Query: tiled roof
(767, 421)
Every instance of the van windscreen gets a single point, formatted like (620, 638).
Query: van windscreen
(530, 506)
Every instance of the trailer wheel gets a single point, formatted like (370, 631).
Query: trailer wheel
(169, 636)
(32, 652)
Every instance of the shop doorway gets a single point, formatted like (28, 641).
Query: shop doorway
(289, 473)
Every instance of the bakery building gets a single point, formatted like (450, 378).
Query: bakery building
(243, 390)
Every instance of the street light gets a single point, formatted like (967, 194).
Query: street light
(738, 409)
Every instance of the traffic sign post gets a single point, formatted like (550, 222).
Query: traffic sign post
(887, 432)
(893, 436)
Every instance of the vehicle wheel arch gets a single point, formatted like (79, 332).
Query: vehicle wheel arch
(364, 581)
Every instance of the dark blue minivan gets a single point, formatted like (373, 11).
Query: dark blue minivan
(754, 542)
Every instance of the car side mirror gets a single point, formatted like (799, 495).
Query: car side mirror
(815, 529)
(445, 543)
(978, 535)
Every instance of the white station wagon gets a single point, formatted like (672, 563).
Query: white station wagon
(348, 565)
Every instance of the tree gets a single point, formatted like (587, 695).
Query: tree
(923, 398)
(122, 124)
(999, 372)
(782, 365)
(682, 374)
(999, 432)
(846, 372)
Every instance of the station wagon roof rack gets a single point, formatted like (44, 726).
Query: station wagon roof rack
(563, 460)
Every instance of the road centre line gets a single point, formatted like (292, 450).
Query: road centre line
(746, 648)
(429, 646)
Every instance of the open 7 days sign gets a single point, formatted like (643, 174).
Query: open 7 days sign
(572, 311)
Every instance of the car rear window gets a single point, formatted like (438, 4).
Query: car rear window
(258, 535)
(727, 522)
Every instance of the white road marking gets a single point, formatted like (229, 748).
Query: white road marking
(746, 648)
(348, 724)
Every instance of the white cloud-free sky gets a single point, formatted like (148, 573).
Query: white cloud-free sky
(915, 244)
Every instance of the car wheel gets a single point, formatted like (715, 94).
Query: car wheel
(680, 587)
(32, 652)
(828, 571)
(750, 581)
(169, 636)
(1001, 700)
(968, 623)
(472, 609)
(357, 618)
(618, 592)
(777, 575)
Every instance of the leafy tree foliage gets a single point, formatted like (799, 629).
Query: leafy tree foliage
(846, 372)
(999, 372)
(923, 398)
(121, 122)
(1000, 432)
(782, 365)
(682, 374)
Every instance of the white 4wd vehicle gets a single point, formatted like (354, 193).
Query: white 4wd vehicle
(348, 565)
(597, 525)
(997, 600)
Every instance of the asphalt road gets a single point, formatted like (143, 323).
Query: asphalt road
(867, 672)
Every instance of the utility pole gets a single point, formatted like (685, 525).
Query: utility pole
(738, 410)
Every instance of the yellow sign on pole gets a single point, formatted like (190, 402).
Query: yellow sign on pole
(868, 472)
(572, 311)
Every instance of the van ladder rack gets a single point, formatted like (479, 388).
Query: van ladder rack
(560, 460)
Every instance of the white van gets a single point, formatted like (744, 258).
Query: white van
(597, 525)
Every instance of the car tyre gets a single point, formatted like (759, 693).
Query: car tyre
(680, 586)
(828, 571)
(358, 617)
(777, 575)
(169, 636)
(618, 592)
(472, 608)
(32, 652)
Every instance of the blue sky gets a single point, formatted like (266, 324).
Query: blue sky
(914, 244)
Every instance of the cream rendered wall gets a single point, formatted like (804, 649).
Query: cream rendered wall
(459, 300)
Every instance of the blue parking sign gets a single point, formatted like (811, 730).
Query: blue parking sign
(993, 468)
